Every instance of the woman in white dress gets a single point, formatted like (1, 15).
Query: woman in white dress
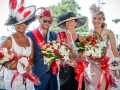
(99, 25)
(19, 18)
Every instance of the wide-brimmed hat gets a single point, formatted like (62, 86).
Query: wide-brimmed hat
(81, 21)
(43, 11)
(19, 13)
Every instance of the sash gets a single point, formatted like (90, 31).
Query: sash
(38, 37)
(40, 41)
(62, 36)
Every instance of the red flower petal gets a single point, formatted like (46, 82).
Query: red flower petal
(56, 51)
(95, 38)
(1, 55)
(89, 38)
(93, 43)
(83, 42)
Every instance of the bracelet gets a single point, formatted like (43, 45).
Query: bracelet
(9, 66)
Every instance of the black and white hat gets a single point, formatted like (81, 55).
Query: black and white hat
(81, 21)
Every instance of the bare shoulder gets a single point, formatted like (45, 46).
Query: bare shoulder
(30, 40)
(7, 42)
(109, 32)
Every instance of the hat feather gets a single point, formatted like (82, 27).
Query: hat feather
(14, 5)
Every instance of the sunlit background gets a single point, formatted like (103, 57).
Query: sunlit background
(110, 7)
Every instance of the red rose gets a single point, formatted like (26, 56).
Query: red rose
(83, 42)
(51, 44)
(95, 38)
(89, 38)
(56, 51)
(93, 43)
(47, 46)
(1, 55)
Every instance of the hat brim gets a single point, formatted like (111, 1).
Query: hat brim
(81, 21)
(10, 22)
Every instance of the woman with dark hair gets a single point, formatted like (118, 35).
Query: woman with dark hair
(69, 23)
(100, 27)
(20, 17)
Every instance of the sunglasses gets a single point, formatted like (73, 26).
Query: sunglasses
(45, 21)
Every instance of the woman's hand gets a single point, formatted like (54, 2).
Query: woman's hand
(72, 63)
(12, 65)
(29, 68)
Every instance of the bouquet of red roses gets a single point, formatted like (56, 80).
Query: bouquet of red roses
(5, 56)
(93, 46)
(55, 50)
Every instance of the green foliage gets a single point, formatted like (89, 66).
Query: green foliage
(63, 7)
(116, 20)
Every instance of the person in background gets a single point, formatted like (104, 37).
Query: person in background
(40, 36)
(20, 17)
(69, 22)
(118, 48)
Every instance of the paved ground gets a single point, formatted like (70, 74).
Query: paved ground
(1, 81)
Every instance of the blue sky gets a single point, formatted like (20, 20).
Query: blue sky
(111, 9)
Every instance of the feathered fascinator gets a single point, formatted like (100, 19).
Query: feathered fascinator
(94, 9)
(19, 13)
(42, 11)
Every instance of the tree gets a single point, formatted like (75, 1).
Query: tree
(116, 20)
(63, 7)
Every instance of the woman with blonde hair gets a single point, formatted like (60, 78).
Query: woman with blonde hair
(100, 27)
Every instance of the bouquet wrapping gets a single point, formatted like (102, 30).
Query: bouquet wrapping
(55, 50)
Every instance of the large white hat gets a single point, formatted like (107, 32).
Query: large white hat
(81, 21)
(19, 13)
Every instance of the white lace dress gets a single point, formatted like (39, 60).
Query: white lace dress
(17, 83)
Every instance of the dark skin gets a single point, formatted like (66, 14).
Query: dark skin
(21, 41)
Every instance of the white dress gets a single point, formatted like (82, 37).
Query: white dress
(17, 83)
(94, 72)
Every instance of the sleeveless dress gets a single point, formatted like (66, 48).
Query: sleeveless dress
(94, 71)
(72, 84)
(17, 83)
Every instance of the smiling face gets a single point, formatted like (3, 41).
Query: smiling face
(45, 22)
(97, 20)
(21, 27)
(71, 24)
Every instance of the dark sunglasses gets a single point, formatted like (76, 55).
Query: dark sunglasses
(45, 21)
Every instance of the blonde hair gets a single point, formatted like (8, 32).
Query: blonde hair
(104, 25)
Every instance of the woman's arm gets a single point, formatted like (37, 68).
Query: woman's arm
(113, 44)
(31, 59)
(8, 44)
